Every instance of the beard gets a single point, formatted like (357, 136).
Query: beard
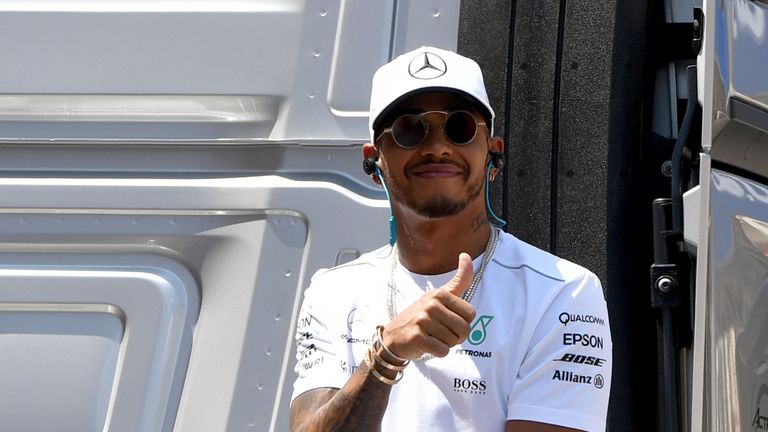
(439, 205)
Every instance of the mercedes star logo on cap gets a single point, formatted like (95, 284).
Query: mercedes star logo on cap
(427, 66)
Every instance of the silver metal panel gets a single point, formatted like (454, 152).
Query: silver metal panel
(250, 243)
(748, 40)
(330, 163)
(425, 22)
(732, 63)
(149, 47)
(218, 139)
(136, 357)
(168, 70)
(57, 366)
(742, 145)
(159, 70)
(57, 118)
(698, 389)
(342, 45)
(361, 46)
(729, 358)
(692, 216)
(713, 73)
(737, 361)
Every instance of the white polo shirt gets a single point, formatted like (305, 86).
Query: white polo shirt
(539, 349)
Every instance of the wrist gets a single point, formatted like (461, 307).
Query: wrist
(389, 358)
(382, 364)
(389, 350)
(379, 370)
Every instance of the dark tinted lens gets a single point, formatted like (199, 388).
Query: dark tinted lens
(460, 127)
(408, 131)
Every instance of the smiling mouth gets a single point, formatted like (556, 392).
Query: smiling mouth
(437, 171)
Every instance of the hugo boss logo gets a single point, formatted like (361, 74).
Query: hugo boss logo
(472, 386)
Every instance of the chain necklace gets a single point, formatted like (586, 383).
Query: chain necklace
(490, 248)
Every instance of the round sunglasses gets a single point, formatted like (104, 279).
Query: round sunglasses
(409, 130)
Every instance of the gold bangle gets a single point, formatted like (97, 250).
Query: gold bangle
(374, 349)
(380, 338)
(377, 375)
(384, 363)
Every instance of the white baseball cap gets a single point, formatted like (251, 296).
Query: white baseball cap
(422, 70)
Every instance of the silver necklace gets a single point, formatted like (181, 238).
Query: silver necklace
(490, 248)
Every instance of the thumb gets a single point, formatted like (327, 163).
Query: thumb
(463, 277)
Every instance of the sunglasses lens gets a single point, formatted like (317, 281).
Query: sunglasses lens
(460, 127)
(408, 131)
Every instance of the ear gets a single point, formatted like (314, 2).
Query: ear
(370, 156)
(496, 155)
(370, 151)
(496, 145)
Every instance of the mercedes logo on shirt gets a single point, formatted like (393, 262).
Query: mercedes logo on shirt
(427, 66)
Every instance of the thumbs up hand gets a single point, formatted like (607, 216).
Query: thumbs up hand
(438, 320)
(463, 277)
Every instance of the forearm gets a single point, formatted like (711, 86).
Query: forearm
(358, 406)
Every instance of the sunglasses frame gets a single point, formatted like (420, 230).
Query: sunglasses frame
(420, 117)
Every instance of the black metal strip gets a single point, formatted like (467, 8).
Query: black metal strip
(392, 31)
(507, 113)
(555, 145)
(680, 145)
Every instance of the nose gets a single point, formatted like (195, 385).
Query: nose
(435, 143)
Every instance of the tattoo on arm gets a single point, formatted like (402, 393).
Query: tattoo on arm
(358, 406)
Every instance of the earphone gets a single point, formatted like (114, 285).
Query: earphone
(497, 159)
(369, 166)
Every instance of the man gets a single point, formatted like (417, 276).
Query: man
(457, 326)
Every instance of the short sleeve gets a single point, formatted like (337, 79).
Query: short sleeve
(317, 360)
(565, 376)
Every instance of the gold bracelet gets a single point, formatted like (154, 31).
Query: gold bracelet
(383, 362)
(379, 336)
(375, 346)
(377, 375)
